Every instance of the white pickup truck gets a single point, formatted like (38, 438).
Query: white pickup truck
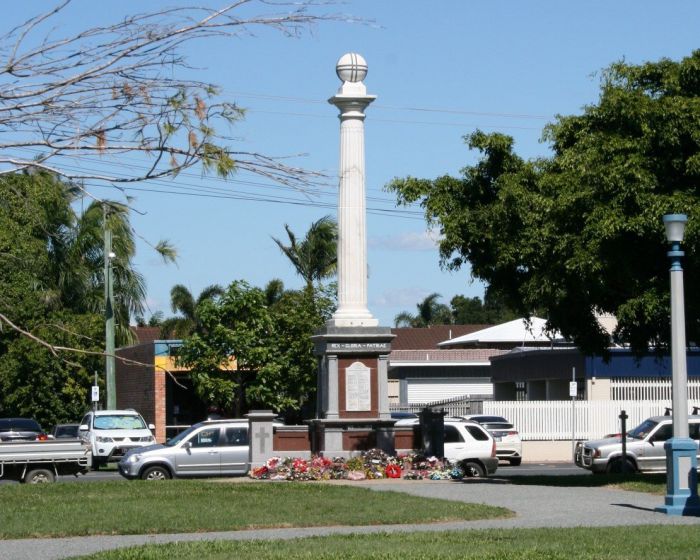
(35, 462)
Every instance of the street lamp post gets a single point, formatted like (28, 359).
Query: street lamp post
(109, 315)
(681, 459)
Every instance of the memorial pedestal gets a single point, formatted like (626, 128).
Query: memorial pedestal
(352, 392)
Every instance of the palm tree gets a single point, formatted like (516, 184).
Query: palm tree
(76, 249)
(182, 301)
(430, 312)
(315, 256)
(274, 290)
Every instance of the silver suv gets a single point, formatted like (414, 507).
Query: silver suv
(645, 447)
(210, 448)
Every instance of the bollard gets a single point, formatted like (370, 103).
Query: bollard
(623, 421)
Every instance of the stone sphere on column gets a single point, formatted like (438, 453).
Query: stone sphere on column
(351, 67)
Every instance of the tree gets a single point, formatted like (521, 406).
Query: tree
(580, 232)
(36, 220)
(182, 301)
(274, 290)
(78, 263)
(315, 256)
(246, 353)
(430, 312)
(491, 311)
(116, 89)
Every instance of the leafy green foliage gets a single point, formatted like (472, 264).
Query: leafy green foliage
(245, 353)
(430, 312)
(182, 301)
(315, 256)
(42, 292)
(580, 233)
(473, 311)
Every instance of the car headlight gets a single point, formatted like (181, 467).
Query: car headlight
(103, 439)
(135, 458)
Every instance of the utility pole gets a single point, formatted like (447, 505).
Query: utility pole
(109, 314)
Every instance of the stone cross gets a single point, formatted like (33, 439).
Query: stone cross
(261, 435)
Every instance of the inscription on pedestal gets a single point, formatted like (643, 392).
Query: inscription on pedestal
(358, 391)
(359, 346)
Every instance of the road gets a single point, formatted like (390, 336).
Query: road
(504, 470)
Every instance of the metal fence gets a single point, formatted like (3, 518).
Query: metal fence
(459, 406)
(648, 389)
(559, 420)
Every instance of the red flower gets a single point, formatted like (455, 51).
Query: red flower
(393, 471)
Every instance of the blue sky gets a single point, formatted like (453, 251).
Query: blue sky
(440, 70)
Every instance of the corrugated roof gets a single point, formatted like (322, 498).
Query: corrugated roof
(408, 338)
(469, 355)
(518, 331)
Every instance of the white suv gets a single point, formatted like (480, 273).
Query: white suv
(466, 443)
(111, 433)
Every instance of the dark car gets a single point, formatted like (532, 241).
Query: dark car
(65, 431)
(21, 429)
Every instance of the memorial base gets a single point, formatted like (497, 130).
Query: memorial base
(681, 478)
(352, 393)
(339, 438)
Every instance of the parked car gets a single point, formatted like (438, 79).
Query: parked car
(209, 448)
(509, 445)
(65, 431)
(111, 433)
(468, 444)
(645, 447)
(404, 418)
(21, 429)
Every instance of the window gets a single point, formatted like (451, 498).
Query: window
(236, 436)
(452, 435)
(477, 433)
(208, 437)
(119, 422)
(664, 432)
(694, 431)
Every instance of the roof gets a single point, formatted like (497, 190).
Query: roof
(146, 334)
(409, 338)
(477, 356)
(518, 331)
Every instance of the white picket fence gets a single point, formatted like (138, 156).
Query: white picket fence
(558, 420)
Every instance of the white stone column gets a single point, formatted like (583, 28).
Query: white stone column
(352, 100)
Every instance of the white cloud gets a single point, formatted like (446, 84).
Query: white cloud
(401, 297)
(409, 241)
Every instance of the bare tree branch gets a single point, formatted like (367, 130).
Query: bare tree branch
(57, 350)
(101, 93)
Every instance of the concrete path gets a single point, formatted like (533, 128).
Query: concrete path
(535, 506)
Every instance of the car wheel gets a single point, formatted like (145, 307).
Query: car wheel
(515, 462)
(615, 467)
(472, 469)
(39, 476)
(155, 473)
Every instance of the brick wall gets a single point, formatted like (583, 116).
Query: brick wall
(140, 387)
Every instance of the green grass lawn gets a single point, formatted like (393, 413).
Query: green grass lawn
(120, 507)
(619, 543)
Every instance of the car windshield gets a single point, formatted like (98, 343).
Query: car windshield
(119, 422)
(642, 431)
(181, 436)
